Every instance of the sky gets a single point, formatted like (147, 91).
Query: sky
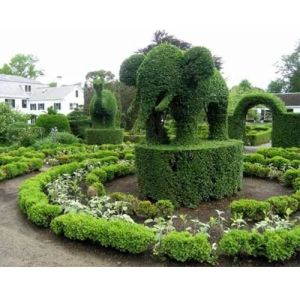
(71, 38)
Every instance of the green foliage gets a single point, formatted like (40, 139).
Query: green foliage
(250, 209)
(279, 162)
(103, 107)
(104, 136)
(188, 175)
(123, 236)
(79, 122)
(146, 209)
(290, 176)
(182, 246)
(165, 208)
(254, 158)
(7, 118)
(66, 138)
(237, 120)
(42, 214)
(255, 169)
(49, 121)
(258, 135)
(128, 69)
(280, 204)
(286, 128)
(22, 65)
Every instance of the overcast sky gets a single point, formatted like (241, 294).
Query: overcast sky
(71, 38)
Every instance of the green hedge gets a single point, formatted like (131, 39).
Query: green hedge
(277, 245)
(48, 122)
(123, 236)
(182, 246)
(188, 175)
(104, 136)
(258, 137)
(250, 209)
(286, 130)
(78, 127)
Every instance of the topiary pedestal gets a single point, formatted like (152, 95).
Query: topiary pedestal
(97, 136)
(188, 175)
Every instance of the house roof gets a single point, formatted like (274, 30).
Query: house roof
(12, 90)
(13, 78)
(52, 93)
(290, 99)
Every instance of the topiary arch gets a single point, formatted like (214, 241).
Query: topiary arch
(237, 121)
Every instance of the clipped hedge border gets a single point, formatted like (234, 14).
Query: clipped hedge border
(189, 175)
(96, 136)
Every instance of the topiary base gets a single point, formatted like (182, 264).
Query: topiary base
(96, 136)
(191, 174)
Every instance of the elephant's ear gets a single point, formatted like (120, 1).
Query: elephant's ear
(129, 68)
(198, 65)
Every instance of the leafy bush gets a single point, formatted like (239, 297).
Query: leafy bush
(258, 136)
(104, 136)
(255, 158)
(189, 175)
(279, 162)
(165, 208)
(249, 208)
(66, 138)
(182, 246)
(295, 163)
(256, 170)
(123, 236)
(146, 209)
(49, 121)
(290, 176)
(280, 204)
(42, 214)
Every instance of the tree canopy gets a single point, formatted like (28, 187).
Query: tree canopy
(289, 73)
(22, 65)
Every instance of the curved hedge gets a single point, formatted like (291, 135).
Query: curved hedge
(188, 175)
(95, 136)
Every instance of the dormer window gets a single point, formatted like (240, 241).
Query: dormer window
(28, 88)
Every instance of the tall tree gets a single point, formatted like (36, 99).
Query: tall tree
(161, 36)
(289, 73)
(22, 65)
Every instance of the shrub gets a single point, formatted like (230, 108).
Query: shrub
(290, 176)
(249, 208)
(295, 163)
(146, 209)
(255, 158)
(258, 136)
(49, 121)
(99, 188)
(130, 199)
(182, 246)
(101, 174)
(280, 204)
(165, 208)
(66, 138)
(123, 236)
(239, 242)
(42, 214)
(279, 162)
(104, 136)
(189, 175)
(256, 170)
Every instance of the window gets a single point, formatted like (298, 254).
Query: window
(10, 102)
(41, 106)
(27, 88)
(24, 103)
(57, 106)
(76, 94)
(290, 110)
(32, 106)
(73, 105)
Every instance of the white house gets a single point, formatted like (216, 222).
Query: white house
(33, 97)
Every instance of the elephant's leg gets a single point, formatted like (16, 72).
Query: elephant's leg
(155, 131)
(217, 120)
(187, 130)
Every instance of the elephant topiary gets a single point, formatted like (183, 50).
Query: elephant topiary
(182, 84)
(103, 111)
